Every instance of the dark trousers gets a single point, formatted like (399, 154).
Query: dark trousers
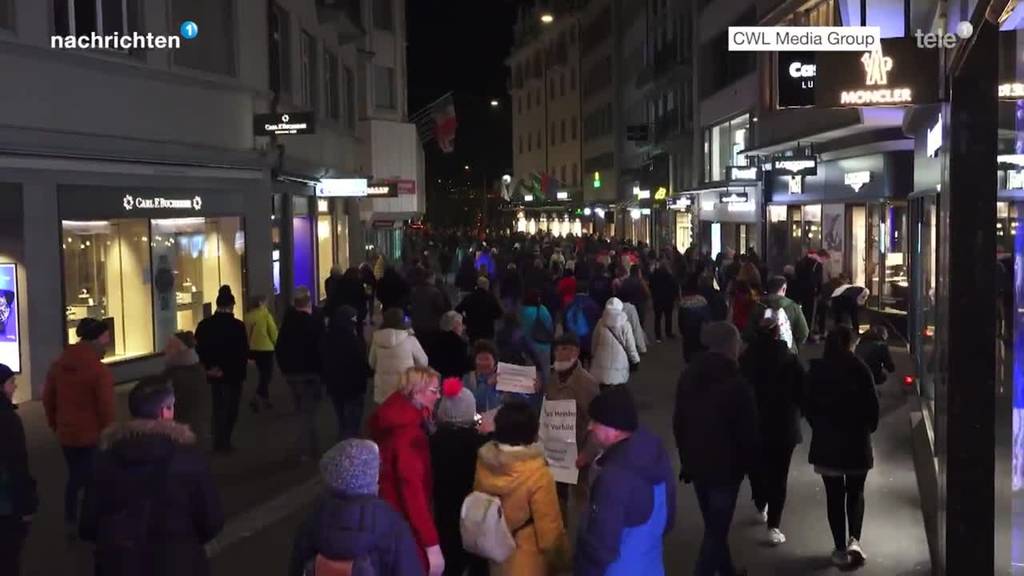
(809, 306)
(717, 505)
(349, 412)
(265, 366)
(12, 539)
(226, 396)
(845, 496)
(663, 311)
(770, 482)
(79, 460)
(309, 392)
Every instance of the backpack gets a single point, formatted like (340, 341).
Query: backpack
(483, 528)
(323, 566)
(576, 321)
(785, 327)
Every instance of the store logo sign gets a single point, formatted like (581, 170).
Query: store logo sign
(1015, 179)
(795, 166)
(796, 185)
(857, 180)
(744, 173)
(877, 66)
(935, 138)
(139, 203)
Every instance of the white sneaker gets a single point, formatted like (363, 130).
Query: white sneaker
(854, 551)
(776, 537)
(840, 558)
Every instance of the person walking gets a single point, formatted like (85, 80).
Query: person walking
(262, 337)
(793, 327)
(615, 355)
(664, 294)
(79, 402)
(392, 290)
(453, 450)
(514, 347)
(298, 354)
(188, 378)
(393, 350)
(742, 302)
(481, 310)
(399, 427)
(633, 504)
(345, 370)
(351, 530)
(512, 467)
(694, 313)
(538, 326)
(808, 278)
(581, 316)
(449, 352)
(18, 499)
(842, 408)
(427, 304)
(873, 350)
(777, 377)
(633, 317)
(154, 504)
(222, 345)
(715, 426)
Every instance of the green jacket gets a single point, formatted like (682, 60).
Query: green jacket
(795, 314)
(262, 330)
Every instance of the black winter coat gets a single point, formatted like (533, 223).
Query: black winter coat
(778, 380)
(664, 289)
(153, 504)
(298, 342)
(345, 369)
(427, 304)
(453, 453)
(481, 310)
(18, 494)
(357, 528)
(221, 342)
(392, 290)
(449, 355)
(876, 354)
(715, 422)
(842, 407)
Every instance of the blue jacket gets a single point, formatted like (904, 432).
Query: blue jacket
(633, 506)
(528, 315)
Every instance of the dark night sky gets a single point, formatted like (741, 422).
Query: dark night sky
(461, 45)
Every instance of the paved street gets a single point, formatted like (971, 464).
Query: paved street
(267, 493)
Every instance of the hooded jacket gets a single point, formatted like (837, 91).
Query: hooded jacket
(521, 479)
(261, 329)
(221, 343)
(153, 504)
(453, 452)
(188, 378)
(633, 506)
(694, 313)
(18, 494)
(638, 330)
(794, 313)
(406, 476)
(357, 528)
(842, 408)
(778, 380)
(298, 345)
(79, 396)
(715, 422)
(613, 345)
(392, 352)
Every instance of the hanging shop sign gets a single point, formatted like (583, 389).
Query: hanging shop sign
(795, 79)
(734, 197)
(795, 166)
(743, 173)
(563, 195)
(661, 194)
(406, 187)
(934, 143)
(641, 194)
(382, 190)
(132, 203)
(857, 180)
(796, 184)
(1014, 180)
(900, 74)
(342, 188)
(284, 124)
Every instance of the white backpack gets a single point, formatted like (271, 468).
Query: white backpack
(483, 528)
(785, 327)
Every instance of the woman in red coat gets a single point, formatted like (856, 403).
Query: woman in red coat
(399, 427)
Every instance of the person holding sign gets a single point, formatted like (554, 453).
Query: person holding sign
(633, 505)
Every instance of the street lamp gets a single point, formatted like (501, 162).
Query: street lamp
(547, 18)
(495, 103)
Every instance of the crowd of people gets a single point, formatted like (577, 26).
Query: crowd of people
(449, 473)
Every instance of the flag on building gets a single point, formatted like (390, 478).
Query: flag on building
(445, 123)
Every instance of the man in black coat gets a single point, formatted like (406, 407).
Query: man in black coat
(481, 310)
(664, 294)
(153, 505)
(715, 426)
(427, 303)
(298, 355)
(223, 348)
(18, 501)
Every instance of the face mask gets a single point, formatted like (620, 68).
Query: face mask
(564, 366)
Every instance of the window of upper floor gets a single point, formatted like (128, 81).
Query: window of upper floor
(332, 86)
(307, 71)
(349, 78)
(384, 15)
(213, 50)
(723, 147)
(280, 50)
(385, 95)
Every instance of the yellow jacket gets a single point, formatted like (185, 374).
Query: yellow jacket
(521, 478)
(262, 330)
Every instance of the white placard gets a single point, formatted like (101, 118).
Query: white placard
(517, 379)
(558, 436)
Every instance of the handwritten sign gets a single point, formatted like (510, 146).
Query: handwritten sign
(517, 379)
(558, 436)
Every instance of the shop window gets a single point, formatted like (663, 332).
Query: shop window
(723, 147)
(812, 227)
(858, 246)
(106, 277)
(895, 250)
(324, 246)
(193, 258)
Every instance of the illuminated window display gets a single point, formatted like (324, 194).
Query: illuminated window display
(148, 278)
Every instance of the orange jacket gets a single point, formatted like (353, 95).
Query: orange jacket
(79, 396)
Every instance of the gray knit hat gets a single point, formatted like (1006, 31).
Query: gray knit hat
(352, 468)
(457, 406)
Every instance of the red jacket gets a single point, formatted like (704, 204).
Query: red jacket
(79, 396)
(567, 290)
(406, 477)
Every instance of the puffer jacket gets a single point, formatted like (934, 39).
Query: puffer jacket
(261, 329)
(153, 504)
(613, 345)
(638, 330)
(79, 396)
(520, 477)
(391, 354)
